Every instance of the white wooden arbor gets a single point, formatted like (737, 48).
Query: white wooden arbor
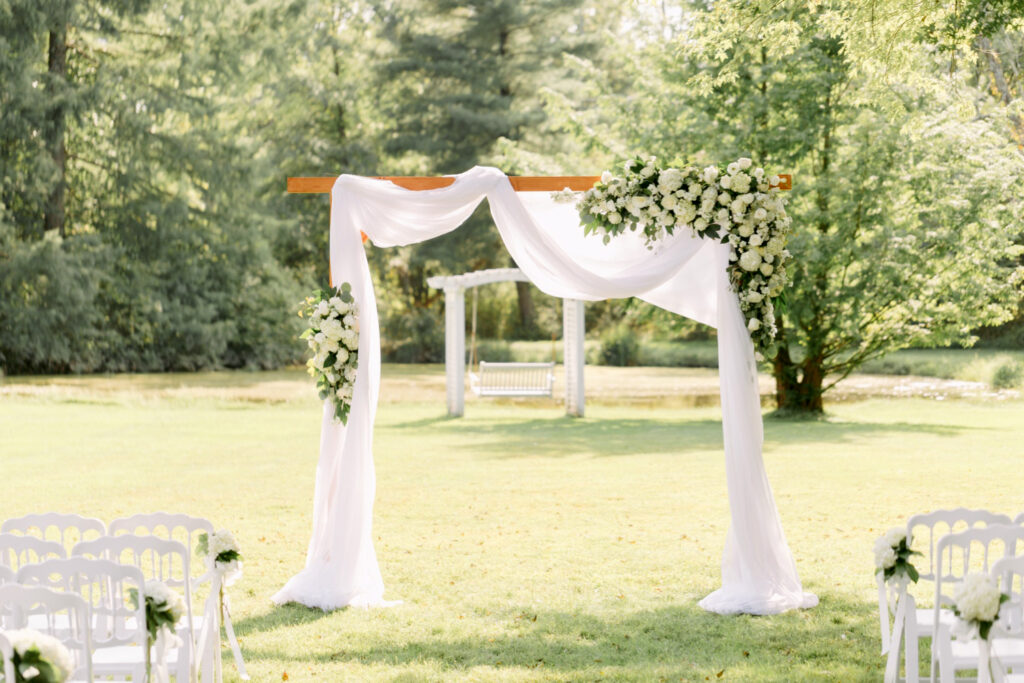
(455, 287)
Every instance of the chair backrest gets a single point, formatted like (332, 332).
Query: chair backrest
(17, 551)
(158, 558)
(170, 525)
(6, 658)
(1008, 573)
(926, 530)
(105, 586)
(64, 528)
(1019, 519)
(971, 551)
(65, 616)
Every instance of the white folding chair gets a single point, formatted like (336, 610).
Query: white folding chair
(6, 658)
(16, 551)
(65, 616)
(64, 528)
(170, 525)
(956, 555)
(6, 574)
(119, 637)
(161, 559)
(925, 530)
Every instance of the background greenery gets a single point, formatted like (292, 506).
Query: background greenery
(144, 146)
(525, 546)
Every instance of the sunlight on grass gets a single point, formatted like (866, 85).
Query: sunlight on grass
(524, 544)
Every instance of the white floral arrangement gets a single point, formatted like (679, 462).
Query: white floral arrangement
(38, 657)
(333, 338)
(219, 547)
(740, 207)
(164, 607)
(892, 557)
(976, 603)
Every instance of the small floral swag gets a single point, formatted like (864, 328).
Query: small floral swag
(333, 339)
(740, 207)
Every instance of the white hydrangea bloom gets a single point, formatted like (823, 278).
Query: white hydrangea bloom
(750, 260)
(977, 598)
(48, 647)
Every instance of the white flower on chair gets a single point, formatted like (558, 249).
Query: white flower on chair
(976, 604)
(892, 557)
(39, 657)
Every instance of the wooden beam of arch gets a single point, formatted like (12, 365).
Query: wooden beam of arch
(519, 183)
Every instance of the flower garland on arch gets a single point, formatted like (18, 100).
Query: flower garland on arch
(740, 207)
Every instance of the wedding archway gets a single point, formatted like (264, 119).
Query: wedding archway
(454, 288)
(684, 273)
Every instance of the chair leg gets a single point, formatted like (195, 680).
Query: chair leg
(910, 649)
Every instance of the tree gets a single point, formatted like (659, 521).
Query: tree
(903, 217)
(469, 77)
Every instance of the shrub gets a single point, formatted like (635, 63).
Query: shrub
(619, 347)
(1008, 375)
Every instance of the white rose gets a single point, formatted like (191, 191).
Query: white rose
(766, 269)
(322, 309)
(342, 357)
(744, 163)
(746, 230)
(758, 173)
(336, 302)
(606, 177)
(722, 218)
(320, 338)
(750, 261)
(753, 324)
(614, 218)
(733, 168)
(755, 297)
(709, 175)
(700, 224)
(760, 214)
(755, 240)
(726, 182)
(774, 180)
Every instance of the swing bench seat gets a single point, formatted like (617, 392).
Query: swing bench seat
(513, 379)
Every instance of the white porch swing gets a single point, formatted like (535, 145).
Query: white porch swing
(505, 379)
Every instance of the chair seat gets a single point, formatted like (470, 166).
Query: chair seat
(925, 617)
(1008, 651)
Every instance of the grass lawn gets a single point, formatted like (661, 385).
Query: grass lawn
(525, 545)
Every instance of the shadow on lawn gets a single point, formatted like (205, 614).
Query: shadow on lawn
(835, 641)
(617, 437)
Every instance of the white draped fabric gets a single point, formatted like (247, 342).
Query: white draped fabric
(683, 274)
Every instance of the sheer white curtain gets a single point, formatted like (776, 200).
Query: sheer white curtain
(683, 274)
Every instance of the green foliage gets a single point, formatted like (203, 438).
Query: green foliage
(31, 667)
(904, 220)
(619, 347)
(1008, 375)
(157, 615)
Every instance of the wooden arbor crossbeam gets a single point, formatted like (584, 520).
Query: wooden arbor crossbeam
(578, 183)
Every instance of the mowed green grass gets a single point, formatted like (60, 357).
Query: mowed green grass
(524, 545)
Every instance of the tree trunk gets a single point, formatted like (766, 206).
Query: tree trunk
(798, 387)
(53, 216)
(527, 312)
